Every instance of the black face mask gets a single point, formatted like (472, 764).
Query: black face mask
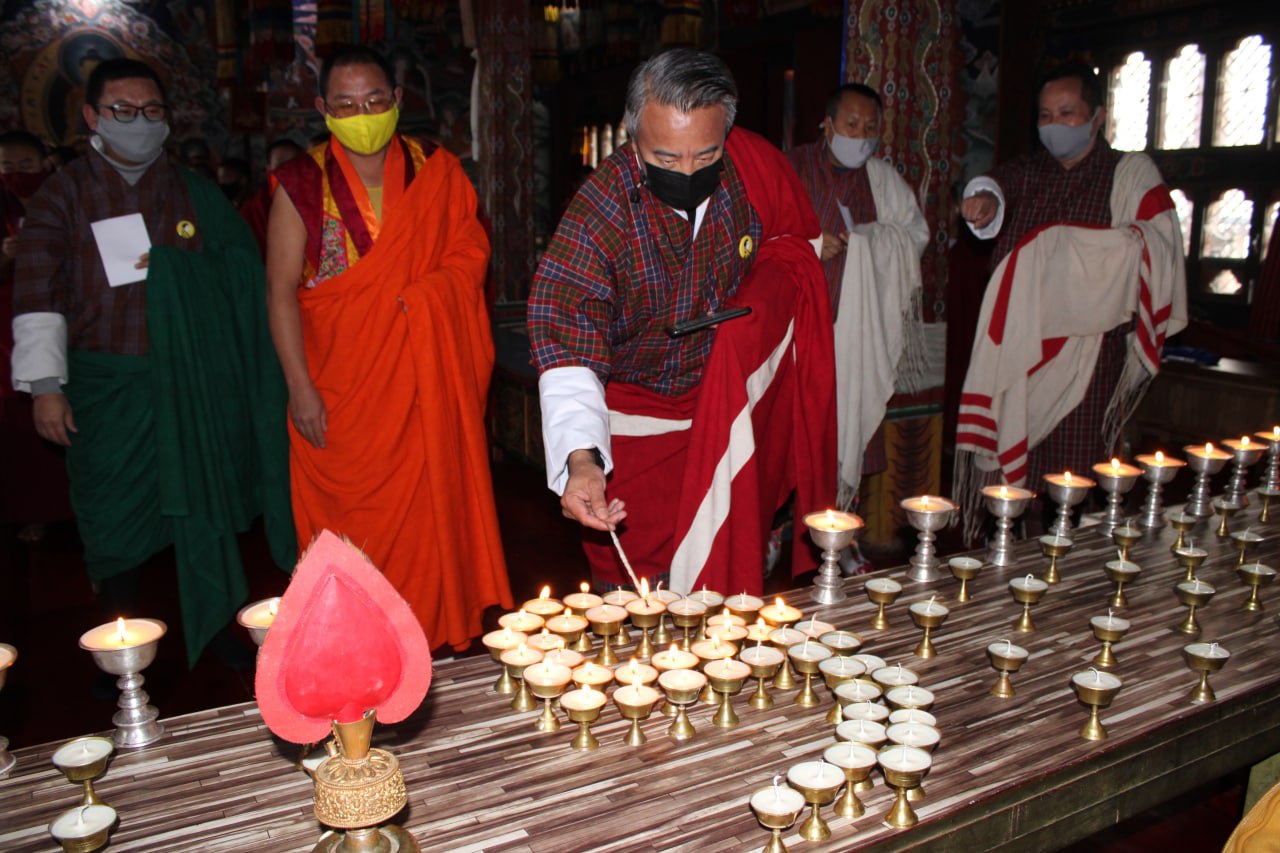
(681, 191)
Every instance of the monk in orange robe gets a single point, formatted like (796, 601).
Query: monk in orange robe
(375, 270)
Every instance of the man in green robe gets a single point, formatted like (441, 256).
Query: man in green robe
(140, 331)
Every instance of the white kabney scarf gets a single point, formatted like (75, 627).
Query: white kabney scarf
(1043, 316)
(877, 329)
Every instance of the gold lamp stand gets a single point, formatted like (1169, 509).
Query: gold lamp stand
(358, 788)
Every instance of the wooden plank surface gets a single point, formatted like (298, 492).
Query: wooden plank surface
(1009, 773)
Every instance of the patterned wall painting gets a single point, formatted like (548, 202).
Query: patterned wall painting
(48, 48)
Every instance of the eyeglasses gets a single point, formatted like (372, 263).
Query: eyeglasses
(125, 113)
(374, 105)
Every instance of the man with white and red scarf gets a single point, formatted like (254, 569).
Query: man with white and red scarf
(1090, 282)
(697, 438)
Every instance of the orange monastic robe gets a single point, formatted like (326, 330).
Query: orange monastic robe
(399, 347)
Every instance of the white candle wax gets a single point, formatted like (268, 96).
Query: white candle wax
(521, 621)
(1110, 623)
(927, 503)
(777, 800)
(808, 652)
(871, 662)
(1004, 648)
(913, 715)
(850, 755)
(1056, 541)
(582, 700)
(888, 586)
(815, 774)
(564, 657)
(910, 696)
(687, 607)
(549, 674)
(760, 656)
(606, 613)
(1011, 493)
(505, 639)
(1256, 569)
(780, 612)
(546, 641)
(872, 712)
(136, 632)
(858, 691)
(786, 637)
(743, 602)
(583, 601)
(1197, 587)
(1246, 536)
(814, 628)
(913, 734)
(521, 656)
(725, 618)
(1159, 460)
(1206, 650)
(1206, 451)
(82, 752)
(1124, 567)
(861, 731)
(713, 650)
(591, 675)
(1097, 679)
(963, 563)
(929, 608)
(706, 597)
(842, 667)
(635, 673)
(1120, 469)
(635, 694)
(666, 596)
(619, 597)
(1191, 551)
(904, 759)
(1028, 584)
(8, 654)
(645, 607)
(675, 659)
(682, 680)
(260, 614)
(543, 607)
(727, 668)
(894, 676)
(1068, 479)
(82, 821)
(832, 521)
(840, 640)
(727, 633)
(567, 623)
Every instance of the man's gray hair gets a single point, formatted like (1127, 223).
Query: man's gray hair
(682, 78)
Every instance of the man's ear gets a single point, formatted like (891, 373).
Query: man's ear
(90, 115)
(320, 106)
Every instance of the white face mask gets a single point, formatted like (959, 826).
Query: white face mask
(852, 152)
(1065, 142)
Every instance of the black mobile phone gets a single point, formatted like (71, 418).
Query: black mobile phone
(697, 324)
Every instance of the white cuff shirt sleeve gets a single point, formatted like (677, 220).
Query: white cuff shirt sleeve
(985, 184)
(574, 417)
(39, 348)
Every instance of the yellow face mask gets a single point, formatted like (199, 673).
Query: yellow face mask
(364, 133)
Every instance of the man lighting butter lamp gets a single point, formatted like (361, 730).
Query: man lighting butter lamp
(343, 649)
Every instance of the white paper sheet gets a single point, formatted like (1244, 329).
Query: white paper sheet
(122, 241)
(846, 216)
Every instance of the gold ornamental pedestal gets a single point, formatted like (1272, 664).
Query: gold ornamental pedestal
(358, 788)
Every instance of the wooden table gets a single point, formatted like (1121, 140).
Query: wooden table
(1009, 773)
